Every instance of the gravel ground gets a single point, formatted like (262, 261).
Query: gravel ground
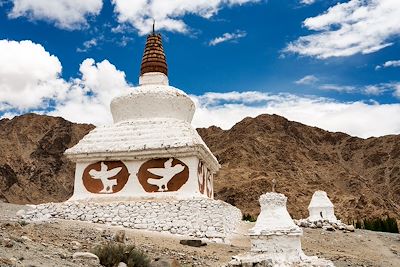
(53, 244)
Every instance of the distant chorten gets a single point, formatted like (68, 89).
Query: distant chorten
(276, 239)
(321, 208)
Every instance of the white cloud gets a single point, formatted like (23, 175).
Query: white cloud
(390, 63)
(87, 45)
(168, 14)
(89, 97)
(396, 88)
(66, 14)
(308, 79)
(338, 88)
(355, 118)
(373, 90)
(29, 80)
(227, 37)
(307, 2)
(28, 70)
(357, 26)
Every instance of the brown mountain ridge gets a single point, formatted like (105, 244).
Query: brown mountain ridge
(361, 176)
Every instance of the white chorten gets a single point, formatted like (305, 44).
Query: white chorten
(321, 208)
(276, 239)
(149, 169)
(151, 150)
(275, 231)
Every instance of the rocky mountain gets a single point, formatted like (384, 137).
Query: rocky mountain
(33, 168)
(361, 176)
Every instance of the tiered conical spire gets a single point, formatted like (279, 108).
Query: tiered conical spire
(154, 57)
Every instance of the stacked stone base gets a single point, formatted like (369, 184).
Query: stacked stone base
(325, 224)
(262, 260)
(208, 219)
(281, 249)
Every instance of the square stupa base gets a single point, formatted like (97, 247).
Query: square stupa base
(208, 219)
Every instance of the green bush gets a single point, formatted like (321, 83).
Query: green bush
(378, 224)
(248, 217)
(111, 254)
(23, 223)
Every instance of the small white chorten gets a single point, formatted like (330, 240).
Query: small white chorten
(321, 208)
(276, 239)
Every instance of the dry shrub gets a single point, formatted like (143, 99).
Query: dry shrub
(111, 254)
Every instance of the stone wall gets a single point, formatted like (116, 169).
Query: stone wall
(209, 219)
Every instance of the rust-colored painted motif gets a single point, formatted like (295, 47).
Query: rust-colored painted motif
(202, 176)
(105, 177)
(205, 180)
(163, 175)
(210, 188)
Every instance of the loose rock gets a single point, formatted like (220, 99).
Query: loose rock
(192, 243)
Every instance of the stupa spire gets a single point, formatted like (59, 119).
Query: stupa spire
(154, 59)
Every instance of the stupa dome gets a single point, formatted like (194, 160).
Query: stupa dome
(153, 101)
(274, 217)
(153, 98)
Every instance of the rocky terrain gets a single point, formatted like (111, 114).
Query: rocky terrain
(33, 168)
(53, 243)
(361, 176)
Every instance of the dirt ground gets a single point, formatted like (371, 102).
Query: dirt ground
(53, 244)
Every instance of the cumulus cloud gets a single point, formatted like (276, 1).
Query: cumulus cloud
(65, 14)
(89, 96)
(390, 63)
(167, 14)
(28, 70)
(357, 26)
(30, 81)
(306, 80)
(226, 37)
(355, 118)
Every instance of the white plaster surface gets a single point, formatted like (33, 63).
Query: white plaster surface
(153, 78)
(212, 220)
(148, 138)
(276, 239)
(133, 190)
(321, 208)
(153, 101)
(274, 217)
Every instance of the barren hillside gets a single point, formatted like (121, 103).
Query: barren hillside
(361, 176)
(32, 166)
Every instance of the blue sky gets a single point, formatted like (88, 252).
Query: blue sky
(331, 61)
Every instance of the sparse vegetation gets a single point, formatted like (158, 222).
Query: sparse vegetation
(378, 224)
(23, 223)
(248, 217)
(111, 254)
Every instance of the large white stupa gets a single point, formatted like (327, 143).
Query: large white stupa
(149, 169)
(151, 150)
